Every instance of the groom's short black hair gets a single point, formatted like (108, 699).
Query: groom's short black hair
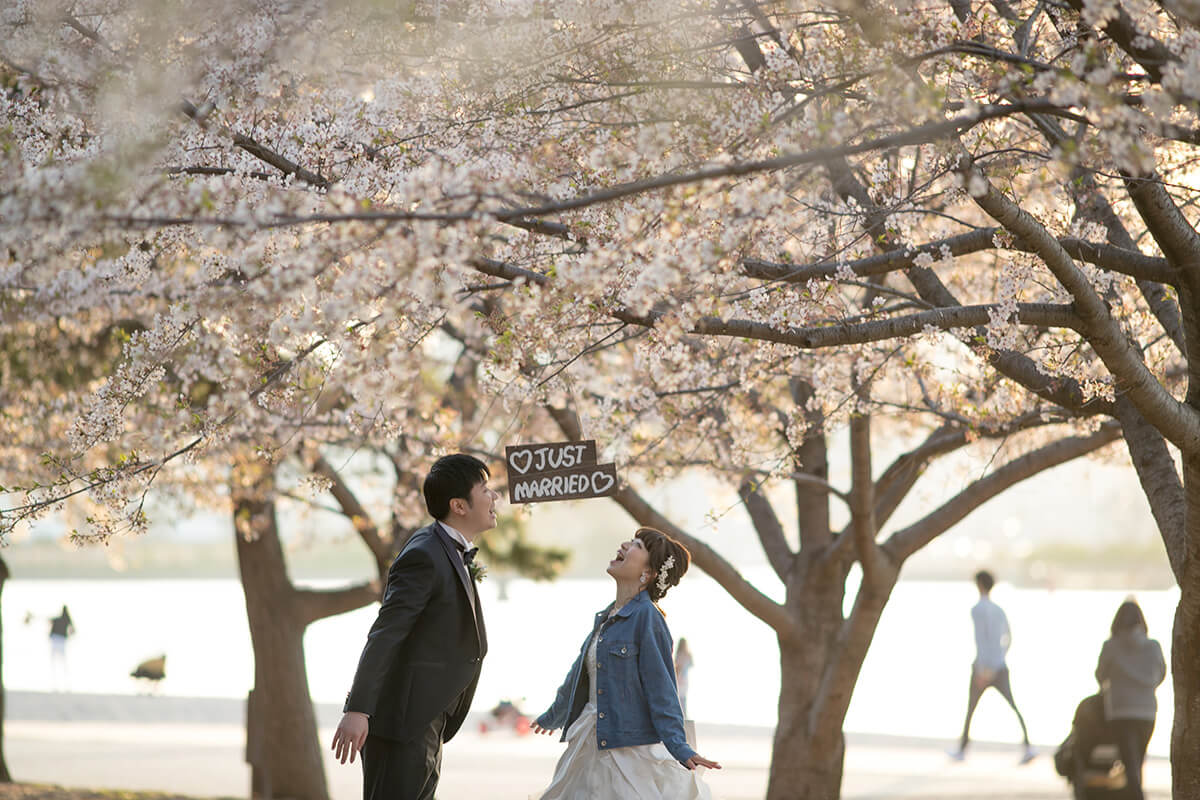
(451, 477)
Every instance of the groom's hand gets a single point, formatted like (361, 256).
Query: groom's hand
(350, 736)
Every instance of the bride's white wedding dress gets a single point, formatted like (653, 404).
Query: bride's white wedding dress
(641, 772)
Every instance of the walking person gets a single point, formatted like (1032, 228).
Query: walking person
(989, 670)
(1130, 668)
(683, 665)
(61, 628)
(420, 666)
(619, 705)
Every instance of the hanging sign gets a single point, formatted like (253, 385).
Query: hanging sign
(540, 473)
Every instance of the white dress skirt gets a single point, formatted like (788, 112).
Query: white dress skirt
(639, 772)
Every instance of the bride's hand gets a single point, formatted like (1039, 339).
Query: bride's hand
(533, 726)
(701, 761)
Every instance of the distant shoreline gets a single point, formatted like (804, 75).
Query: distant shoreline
(1130, 580)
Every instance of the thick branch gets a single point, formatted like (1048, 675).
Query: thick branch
(1044, 315)
(900, 477)
(811, 460)
(1016, 366)
(903, 543)
(862, 504)
(1177, 421)
(844, 664)
(1180, 243)
(1106, 256)
(315, 604)
(1140, 45)
(902, 474)
(921, 134)
(1159, 477)
(769, 528)
(353, 510)
(259, 151)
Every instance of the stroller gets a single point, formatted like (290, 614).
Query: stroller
(1088, 758)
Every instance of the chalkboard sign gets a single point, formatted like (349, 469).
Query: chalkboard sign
(541, 473)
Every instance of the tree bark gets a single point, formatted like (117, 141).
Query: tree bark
(807, 761)
(5, 777)
(1185, 652)
(284, 751)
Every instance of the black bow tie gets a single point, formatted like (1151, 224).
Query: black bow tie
(469, 555)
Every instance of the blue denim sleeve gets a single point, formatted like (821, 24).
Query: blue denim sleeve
(556, 716)
(657, 670)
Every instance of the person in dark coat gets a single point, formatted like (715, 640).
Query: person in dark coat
(61, 628)
(1130, 668)
(418, 671)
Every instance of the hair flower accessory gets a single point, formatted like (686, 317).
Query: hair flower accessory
(662, 575)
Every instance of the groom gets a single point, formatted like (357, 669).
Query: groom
(418, 670)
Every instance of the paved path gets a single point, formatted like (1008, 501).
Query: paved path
(196, 746)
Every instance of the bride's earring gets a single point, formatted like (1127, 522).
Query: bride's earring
(643, 577)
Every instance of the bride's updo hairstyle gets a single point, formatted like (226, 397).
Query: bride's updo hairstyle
(668, 558)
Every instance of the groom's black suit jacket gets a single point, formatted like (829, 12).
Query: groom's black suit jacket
(423, 653)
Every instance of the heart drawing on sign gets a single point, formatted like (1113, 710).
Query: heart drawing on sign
(523, 455)
(601, 482)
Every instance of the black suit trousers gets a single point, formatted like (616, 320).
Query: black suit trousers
(409, 770)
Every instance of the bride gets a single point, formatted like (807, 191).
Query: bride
(618, 706)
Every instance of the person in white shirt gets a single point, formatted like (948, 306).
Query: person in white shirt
(992, 637)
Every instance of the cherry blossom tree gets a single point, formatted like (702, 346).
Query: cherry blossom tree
(710, 233)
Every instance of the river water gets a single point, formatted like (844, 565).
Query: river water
(914, 681)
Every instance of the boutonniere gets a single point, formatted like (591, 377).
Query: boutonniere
(478, 571)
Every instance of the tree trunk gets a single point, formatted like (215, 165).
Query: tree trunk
(807, 761)
(1185, 653)
(5, 777)
(284, 750)
(804, 763)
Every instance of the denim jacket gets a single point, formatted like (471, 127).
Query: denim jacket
(636, 698)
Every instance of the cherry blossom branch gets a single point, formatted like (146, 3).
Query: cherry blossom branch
(921, 134)
(103, 476)
(1036, 314)
(1141, 46)
(1105, 256)
(254, 148)
(1179, 422)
